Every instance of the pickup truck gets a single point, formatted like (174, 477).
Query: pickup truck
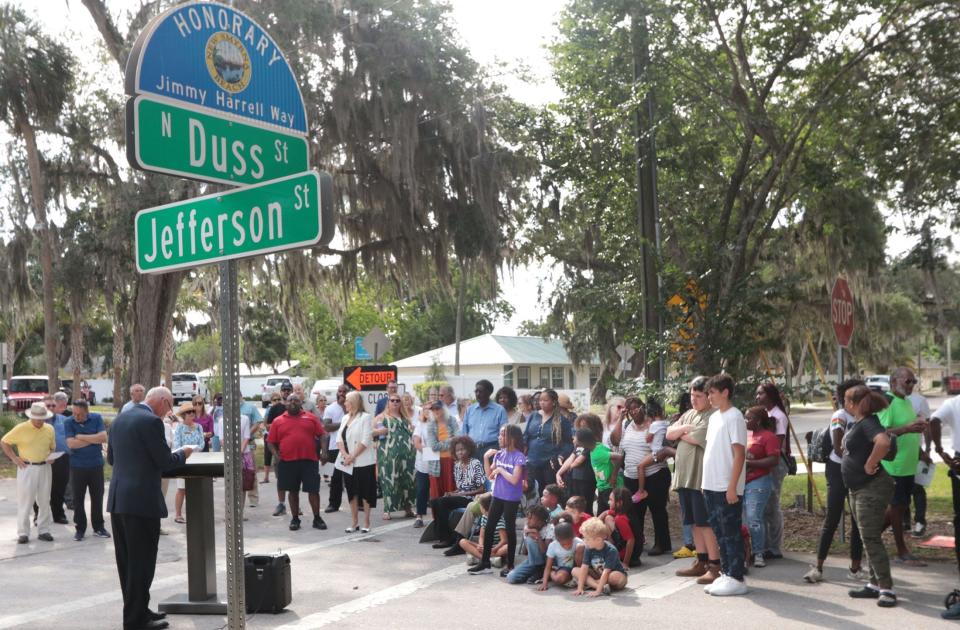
(186, 385)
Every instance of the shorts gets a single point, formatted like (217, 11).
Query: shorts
(692, 507)
(300, 472)
(902, 491)
(267, 455)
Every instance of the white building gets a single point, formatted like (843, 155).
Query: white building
(524, 363)
(252, 377)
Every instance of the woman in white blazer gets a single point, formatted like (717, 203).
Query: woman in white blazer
(355, 442)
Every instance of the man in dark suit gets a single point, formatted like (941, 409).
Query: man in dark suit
(139, 453)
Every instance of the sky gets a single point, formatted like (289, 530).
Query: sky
(510, 31)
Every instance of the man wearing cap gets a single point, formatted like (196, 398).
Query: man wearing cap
(86, 435)
(35, 441)
(293, 440)
(483, 419)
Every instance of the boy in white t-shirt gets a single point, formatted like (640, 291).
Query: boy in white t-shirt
(724, 473)
(949, 414)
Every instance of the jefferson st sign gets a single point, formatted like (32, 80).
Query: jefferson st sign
(282, 214)
(181, 139)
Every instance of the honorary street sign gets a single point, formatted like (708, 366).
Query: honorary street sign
(212, 56)
(369, 377)
(287, 213)
(180, 139)
(841, 312)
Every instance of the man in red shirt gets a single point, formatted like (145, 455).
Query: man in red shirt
(294, 438)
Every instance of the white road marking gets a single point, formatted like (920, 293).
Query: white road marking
(659, 582)
(361, 604)
(11, 621)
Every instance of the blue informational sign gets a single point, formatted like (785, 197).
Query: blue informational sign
(215, 57)
(359, 352)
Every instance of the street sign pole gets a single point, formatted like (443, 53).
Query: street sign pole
(232, 457)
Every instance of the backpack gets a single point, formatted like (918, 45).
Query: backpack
(820, 446)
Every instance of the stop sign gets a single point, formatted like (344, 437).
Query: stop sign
(841, 312)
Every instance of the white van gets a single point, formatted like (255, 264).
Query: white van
(186, 385)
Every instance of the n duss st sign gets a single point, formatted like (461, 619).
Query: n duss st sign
(180, 139)
(286, 213)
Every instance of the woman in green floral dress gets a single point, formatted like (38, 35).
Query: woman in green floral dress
(396, 457)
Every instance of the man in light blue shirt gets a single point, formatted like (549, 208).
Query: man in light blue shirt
(137, 395)
(483, 419)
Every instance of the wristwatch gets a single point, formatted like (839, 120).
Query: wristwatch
(655, 458)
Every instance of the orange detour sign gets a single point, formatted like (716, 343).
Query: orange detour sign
(369, 377)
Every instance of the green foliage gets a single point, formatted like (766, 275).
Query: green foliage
(423, 389)
(199, 353)
(435, 372)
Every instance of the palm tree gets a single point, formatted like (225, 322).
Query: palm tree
(36, 78)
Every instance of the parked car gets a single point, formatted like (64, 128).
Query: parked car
(186, 385)
(953, 385)
(327, 387)
(270, 385)
(878, 382)
(23, 391)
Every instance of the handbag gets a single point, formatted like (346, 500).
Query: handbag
(248, 471)
(791, 464)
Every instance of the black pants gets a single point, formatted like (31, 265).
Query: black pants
(508, 510)
(442, 507)
(657, 486)
(135, 540)
(603, 501)
(542, 474)
(58, 488)
(80, 480)
(919, 507)
(836, 495)
(336, 482)
(955, 485)
(586, 488)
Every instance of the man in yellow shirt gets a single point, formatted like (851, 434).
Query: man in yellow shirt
(35, 441)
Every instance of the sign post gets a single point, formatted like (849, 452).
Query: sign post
(841, 314)
(214, 99)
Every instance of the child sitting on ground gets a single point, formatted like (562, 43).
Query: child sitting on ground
(618, 524)
(563, 554)
(475, 549)
(550, 499)
(656, 434)
(577, 509)
(601, 568)
(537, 535)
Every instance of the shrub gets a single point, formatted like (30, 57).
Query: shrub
(422, 389)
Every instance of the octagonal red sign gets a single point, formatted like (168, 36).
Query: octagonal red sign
(841, 311)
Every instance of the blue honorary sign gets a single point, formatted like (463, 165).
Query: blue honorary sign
(359, 352)
(212, 56)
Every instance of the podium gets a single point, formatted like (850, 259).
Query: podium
(201, 598)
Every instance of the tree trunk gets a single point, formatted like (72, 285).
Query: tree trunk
(51, 332)
(11, 351)
(76, 352)
(118, 358)
(169, 347)
(156, 296)
(461, 292)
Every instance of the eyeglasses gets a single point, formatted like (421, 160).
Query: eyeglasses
(911, 381)
(394, 400)
(50, 406)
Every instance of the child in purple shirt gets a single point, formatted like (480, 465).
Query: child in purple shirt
(505, 469)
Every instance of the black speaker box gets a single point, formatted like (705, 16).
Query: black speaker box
(267, 580)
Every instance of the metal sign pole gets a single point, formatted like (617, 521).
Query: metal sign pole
(232, 458)
(843, 514)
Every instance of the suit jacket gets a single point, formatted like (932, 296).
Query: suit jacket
(137, 450)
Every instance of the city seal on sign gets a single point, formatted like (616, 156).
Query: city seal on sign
(209, 55)
(228, 62)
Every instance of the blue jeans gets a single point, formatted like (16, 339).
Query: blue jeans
(688, 535)
(532, 566)
(725, 521)
(422, 481)
(215, 444)
(755, 497)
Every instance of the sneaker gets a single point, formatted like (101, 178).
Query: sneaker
(717, 582)
(860, 574)
(417, 524)
(330, 509)
(47, 537)
(769, 555)
(919, 529)
(505, 571)
(813, 576)
(480, 568)
(22, 540)
(471, 561)
(78, 537)
(496, 562)
(101, 533)
(685, 552)
(887, 599)
(655, 551)
(729, 587)
(294, 524)
(455, 550)
(281, 510)
(318, 523)
(759, 562)
(867, 592)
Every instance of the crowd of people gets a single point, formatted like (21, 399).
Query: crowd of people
(581, 484)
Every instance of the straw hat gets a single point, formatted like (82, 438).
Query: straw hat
(39, 411)
(185, 407)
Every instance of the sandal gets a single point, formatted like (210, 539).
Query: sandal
(909, 560)
(386, 516)
(417, 524)
(180, 520)
(364, 530)
(887, 599)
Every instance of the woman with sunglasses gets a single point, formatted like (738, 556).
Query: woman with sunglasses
(396, 457)
(186, 433)
(204, 419)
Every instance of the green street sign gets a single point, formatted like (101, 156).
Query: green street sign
(287, 213)
(178, 139)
